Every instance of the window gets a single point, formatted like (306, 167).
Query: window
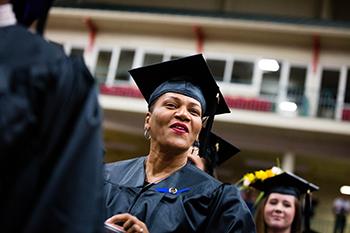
(296, 84)
(151, 58)
(328, 93)
(242, 72)
(77, 52)
(296, 88)
(270, 82)
(126, 59)
(217, 67)
(173, 57)
(347, 88)
(103, 60)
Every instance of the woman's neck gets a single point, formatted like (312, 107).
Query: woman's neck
(160, 165)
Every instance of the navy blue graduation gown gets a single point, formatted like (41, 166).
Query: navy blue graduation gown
(189, 200)
(51, 156)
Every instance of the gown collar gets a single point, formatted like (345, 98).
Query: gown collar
(133, 176)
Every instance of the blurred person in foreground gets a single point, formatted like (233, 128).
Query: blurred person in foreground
(281, 210)
(163, 191)
(51, 157)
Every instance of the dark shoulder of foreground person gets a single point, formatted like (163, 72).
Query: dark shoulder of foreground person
(29, 47)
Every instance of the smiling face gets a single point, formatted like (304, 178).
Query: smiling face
(174, 121)
(279, 211)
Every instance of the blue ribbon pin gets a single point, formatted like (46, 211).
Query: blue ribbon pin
(172, 190)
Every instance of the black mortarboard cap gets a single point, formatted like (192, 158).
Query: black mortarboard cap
(285, 183)
(217, 152)
(189, 76)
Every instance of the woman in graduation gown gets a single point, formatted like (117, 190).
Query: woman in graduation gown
(163, 192)
(281, 210)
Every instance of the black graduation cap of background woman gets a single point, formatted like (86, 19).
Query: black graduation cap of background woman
(285, 183)
(218, 151)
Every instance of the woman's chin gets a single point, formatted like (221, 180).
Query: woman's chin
(277, 225)
(178, 142)
(177, 145)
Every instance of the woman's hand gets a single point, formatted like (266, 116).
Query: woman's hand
(196, 160)
(130, 223)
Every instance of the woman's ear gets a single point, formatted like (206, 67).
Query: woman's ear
(148, 115)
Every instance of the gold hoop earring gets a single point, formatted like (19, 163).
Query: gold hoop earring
(146, 134)
(195, 146)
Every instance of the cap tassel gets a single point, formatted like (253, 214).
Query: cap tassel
(307, 212)
(204, 138)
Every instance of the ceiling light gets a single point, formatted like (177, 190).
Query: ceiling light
(288, 106)
(268, 65)
(345, 189)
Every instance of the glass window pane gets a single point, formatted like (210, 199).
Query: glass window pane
(347, 88)
(175, 57)
(151, 58)
(242, 72)
(296, 84)
(77, 52)
(217, 68)
(328, 93)
(125, 62)
(103, 60)
(270, 82)
(296, 88)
